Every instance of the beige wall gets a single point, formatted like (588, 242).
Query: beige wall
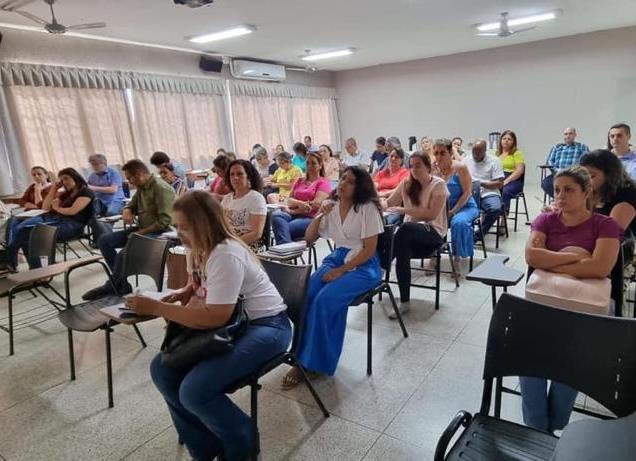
(587, 81)
(38, 48)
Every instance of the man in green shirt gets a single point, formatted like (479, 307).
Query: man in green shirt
(152, 206)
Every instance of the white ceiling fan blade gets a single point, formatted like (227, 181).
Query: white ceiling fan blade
(525, 29)
(488, 34)
(32, 17)
(93, 25)
(11, 5)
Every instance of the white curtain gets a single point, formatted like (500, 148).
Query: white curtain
(188, 127)
(60, 127)
(317, 118)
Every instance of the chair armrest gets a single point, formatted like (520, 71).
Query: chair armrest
(463, 418)
(67, 274)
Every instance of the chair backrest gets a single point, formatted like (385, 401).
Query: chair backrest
(42, 241)
(146, 256)
(593, 354)
(477, 193)
(384, 249)
(266, 238)
(292, 282)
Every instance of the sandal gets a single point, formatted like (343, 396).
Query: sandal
(292, 379)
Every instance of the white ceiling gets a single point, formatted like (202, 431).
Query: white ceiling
(382, 31)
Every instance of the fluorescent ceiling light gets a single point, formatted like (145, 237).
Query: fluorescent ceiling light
(519, 21)
(222, 35)
(328, 55)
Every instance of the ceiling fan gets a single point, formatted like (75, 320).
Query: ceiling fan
(504, 29)
(52, 27)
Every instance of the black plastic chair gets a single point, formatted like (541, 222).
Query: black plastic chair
(478, 228)
(143, 256)
(516, 198)
(530, 339)
(385, 254)
(291, 281)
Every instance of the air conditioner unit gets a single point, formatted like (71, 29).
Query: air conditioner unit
(253, 70)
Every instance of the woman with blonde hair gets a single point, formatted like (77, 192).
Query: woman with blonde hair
(206, 419)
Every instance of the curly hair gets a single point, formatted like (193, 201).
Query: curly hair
(254, 179)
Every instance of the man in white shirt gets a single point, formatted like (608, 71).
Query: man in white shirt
(489, 172)
(352, 156)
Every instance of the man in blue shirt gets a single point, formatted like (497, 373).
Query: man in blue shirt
(618, 142)
(106, 183)
(561, 157)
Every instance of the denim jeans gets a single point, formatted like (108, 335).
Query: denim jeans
(543, 409)
(492, 207)
(548, 185)
(108, 209)
(511, 190)
(207, 421)
(287, 227)
(67, 229)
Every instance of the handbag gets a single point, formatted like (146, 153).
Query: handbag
(591, 296)
(184, 347)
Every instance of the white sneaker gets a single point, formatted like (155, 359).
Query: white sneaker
(402, 307)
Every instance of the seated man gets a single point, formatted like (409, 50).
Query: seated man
(106, 183)
(561, 157)
(152, 205)
(489, 172)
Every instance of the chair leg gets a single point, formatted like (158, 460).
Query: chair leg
(11, 351)
(71, 354)
(525, 207)
(497, 232)
(498, 386)
(397, 311)
(453, 268)
(310, 386)
(141, 338)
(482, 236)
(254, 387)
(437, 277)
(516, 212)
(369, 336)
(109, 368)
(313, 253)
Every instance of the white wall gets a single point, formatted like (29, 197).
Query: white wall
(38, 48)
(586, 81)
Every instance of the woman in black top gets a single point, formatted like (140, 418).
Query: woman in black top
(69, 206)
(614, 192)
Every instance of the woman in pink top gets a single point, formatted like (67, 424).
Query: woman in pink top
(422, 199)
(388, 179)
(573, 241)
(307, 194)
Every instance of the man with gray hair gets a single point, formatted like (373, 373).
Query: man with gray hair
(561, 157)
(353, 156)
(106, 183)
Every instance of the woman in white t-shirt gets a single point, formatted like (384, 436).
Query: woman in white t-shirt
(353, 220)
(207, 421)
(422, 199)
(244, 206)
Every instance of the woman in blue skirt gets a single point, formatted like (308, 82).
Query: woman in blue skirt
(352, 218)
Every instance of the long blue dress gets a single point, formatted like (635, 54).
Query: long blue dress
(461, 225)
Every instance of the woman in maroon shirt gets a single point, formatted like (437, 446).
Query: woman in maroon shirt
(34, 194)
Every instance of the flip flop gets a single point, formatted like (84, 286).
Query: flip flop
(290, 382)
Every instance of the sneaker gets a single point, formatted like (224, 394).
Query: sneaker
(402, 307)
(99, 292)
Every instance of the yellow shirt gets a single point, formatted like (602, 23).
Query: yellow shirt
(288, 177)
(509, 162)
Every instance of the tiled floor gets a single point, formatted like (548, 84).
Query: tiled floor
(398, 413)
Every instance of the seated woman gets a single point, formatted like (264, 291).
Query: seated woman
(574, 225)
(218, 187)
(263, 164)
(307, 194)
(70, 206)
(244, 206)
(613, 191)
(206, 420)
(352, 218)
(31, 200)
(422, 200)
(283, 178)
(330, 164)
(513, 165)
(462, 207)
(389, 178)
(166, 171)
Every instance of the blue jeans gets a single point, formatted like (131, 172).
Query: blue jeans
(108, 209)
(511, 190)
(328, 302)
(287, 227)
(545, 410)
(492, 207)
(207, 421)
(67, 229)
(548, 185)
(462, 233)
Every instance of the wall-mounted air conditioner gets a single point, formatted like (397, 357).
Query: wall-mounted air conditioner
(252, 70)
